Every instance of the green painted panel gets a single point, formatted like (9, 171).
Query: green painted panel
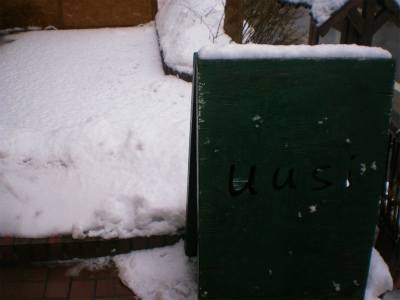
(291, 157)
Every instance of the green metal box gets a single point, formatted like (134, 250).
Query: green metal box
(287, 164)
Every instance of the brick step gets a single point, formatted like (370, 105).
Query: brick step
(21, 250)
(169, 71)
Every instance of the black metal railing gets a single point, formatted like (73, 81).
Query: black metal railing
(389, 211)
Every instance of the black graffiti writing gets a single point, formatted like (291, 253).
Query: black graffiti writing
(249, 184)
(289, 180)
(279, 182)
(315, 176)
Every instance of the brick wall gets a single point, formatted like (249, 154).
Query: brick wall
(69, 14)
(18, 250)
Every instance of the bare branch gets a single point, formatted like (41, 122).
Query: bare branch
(270, 23)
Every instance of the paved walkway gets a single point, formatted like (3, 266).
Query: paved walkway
(52, 282)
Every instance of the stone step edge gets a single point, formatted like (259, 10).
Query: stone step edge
(169, 70)
(23, 250)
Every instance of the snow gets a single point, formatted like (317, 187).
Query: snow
(161, 273)
(187, 25)
(254, 51)
(93, 135)
(92, 264)
(379, 278)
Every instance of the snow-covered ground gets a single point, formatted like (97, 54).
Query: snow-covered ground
(94, 140)
(93, 135)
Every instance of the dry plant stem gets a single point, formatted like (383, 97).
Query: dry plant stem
(200, 16)
(271, 23)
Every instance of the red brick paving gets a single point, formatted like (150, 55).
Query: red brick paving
(105, 287)
(29, 281)
(57, 288)
(52, 282)
(35, 274)
(82, 290)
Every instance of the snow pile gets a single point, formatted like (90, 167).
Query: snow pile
(184, 26)
(379, 279)
(92, 264)
(253, 51)
(159, 274)
(93, 135)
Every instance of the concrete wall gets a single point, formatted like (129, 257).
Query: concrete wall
(68, 14)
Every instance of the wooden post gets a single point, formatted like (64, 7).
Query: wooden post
(60, 14)
(234, 17)
(368, 13)
(313, 36)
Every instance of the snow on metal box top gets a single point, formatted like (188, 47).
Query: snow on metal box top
(254, 51)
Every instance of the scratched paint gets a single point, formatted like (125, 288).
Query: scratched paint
(336, 286)
(363, 168)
